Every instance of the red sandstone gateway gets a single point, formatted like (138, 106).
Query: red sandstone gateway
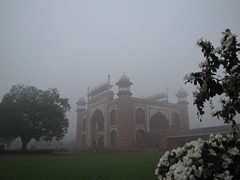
(128, 123)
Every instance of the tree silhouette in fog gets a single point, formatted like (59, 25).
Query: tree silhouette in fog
(31, 113)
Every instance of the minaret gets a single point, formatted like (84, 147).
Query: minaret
(124, 84)
(81, 108)
(182, 96)
(81, 104)
(182, 101)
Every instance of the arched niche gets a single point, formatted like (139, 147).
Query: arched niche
(113, 138)
(113, 118)
(97, 122)
(159, 122)
(140, 116)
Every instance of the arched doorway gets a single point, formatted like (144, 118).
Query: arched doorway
(97, 127)
(140, 137)
(159, 122)
(113, 139)
(97, 121)
(83, 141)
(100, 141)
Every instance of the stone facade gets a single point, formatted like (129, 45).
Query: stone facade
(126, 122)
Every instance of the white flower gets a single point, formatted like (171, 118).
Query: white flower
(228, 160)
(198, 172)
(218, 136)
(227, 40)
(167, 153)
(217, 50)
(227, 175)
(189, 162)
(234, 68)
(203, 64)
(199, 41)
(194, 168)
(214, 144)
(220, 176)
(178, 152)
(189, 77)
(225, 165)
(221, 146)
(229, 136)
(212, 152)
(192, 177)
(234, 151)
(165, 163)
(195, 93)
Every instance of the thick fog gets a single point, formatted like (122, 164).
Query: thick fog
(74, 44)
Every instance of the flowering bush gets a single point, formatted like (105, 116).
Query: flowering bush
(216, 158)
(219, 77)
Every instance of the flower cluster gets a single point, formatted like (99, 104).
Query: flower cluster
(228, 40)
(215, 158)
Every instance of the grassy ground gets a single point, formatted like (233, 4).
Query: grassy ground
(108, 166)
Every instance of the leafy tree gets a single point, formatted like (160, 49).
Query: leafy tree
(219, 77)
(31, 113)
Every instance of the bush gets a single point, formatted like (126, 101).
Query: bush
(216, 158)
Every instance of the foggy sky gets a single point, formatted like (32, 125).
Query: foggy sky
(74, 44)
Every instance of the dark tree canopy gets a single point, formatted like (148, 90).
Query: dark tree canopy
(31, 113)
(219, 77)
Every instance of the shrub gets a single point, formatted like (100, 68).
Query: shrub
(215, 158)
(219, 77)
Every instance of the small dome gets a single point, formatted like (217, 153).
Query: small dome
(81, 102)
(124, 80)
(181, 93)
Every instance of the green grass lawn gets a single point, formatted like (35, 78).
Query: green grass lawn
(89, 166)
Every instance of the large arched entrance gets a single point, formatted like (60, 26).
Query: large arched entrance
(159, 122)
(97, 127)
(97, 121)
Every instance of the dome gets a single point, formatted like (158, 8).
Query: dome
(124, 80)
(181, 93)
(81, 102)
